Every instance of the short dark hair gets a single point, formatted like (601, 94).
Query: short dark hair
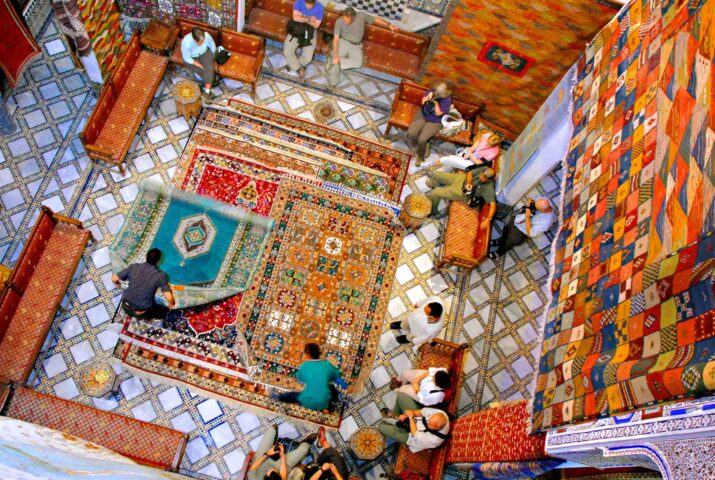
(273, 476)
(312, 349)
(310, 1)
(349, 12)
(197, 33)
(153, 256)
(442, 379)
(435, 309)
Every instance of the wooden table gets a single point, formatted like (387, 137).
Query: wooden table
(415, 210)
(98, 380)
(367, 443)
(159, 37)
(187, 95)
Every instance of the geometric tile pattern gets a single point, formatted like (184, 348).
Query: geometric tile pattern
(494, 309)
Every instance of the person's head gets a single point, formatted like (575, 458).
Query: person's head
(153, 256)
(272, 475)
(487, 175)
(543, 205)
(442, 379)
(493, 140)
(434, 310)
(442, 89)
(348, 15)
(310, 3)
(313, 350)
(198, 35)
(438, 421)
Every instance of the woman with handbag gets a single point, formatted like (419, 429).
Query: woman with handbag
(428, 119)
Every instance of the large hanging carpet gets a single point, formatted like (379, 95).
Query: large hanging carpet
(630, 323)
(324, 276)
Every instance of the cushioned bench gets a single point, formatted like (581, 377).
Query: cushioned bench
(408, 99)
(437, 354)
(397, 53)
(145, 443)
(247, 51)
(466, 241)
(33, 293)
(123, 103)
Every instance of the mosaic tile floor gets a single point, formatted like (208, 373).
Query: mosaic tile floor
(494, 309)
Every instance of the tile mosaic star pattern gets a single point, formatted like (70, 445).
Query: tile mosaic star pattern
(494, 308)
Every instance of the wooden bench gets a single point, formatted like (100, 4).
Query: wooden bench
(437, 354)
(466, 242)
(408, 99)
(145, 443)
(396, 53)
(34, 291)
(247, 51)
(112, 127)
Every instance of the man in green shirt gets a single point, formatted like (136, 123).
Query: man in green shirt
(317, 375)
(454, 186)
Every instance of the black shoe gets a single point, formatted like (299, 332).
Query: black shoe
(402, 339)
(492, 255)
(494, 243)
(310, 439)
(396, 325)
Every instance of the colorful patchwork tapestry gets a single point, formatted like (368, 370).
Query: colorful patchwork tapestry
(510, 55)
(312, 286)
(209, 248)
(631, 323)
(219, 13)
(101, 19)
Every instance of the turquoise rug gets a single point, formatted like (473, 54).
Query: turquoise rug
(211, 250)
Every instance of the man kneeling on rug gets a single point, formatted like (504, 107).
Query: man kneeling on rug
(144, 280)
(419, 429)
(318, 376)
(271, 462)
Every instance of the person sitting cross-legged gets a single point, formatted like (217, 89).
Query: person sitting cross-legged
(317, 375)
(426, 387)
(418, 428)
(272, 462)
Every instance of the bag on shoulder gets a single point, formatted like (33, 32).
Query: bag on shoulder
(452, 122)
(222, 55)
(301, 31)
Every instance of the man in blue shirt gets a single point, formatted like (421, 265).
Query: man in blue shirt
(197, 51)
(307, 15)
(144, 280)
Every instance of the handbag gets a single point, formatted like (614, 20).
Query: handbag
(301, 31)
(452, 123)
(222, 56)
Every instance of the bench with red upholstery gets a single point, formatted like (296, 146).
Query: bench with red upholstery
(397, 53)
(123, 103)
(34, 291)
(247, 51)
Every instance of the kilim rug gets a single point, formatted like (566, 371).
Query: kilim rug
(630, 323)
(209, 248)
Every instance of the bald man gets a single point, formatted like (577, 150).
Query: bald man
(534, 218)
(418, 428)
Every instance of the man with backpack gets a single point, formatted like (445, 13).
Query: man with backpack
(307, 15)
(418, 428)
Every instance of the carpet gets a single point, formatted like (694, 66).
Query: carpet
(630, 322)
(15, 54)
(101, 19)
(312, 286)
(219, 13)
(209, 249)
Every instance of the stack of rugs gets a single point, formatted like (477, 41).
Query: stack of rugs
(277, 232)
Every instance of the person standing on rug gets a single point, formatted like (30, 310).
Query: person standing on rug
(197, 50)
(426, 387)
(422, 324)
(307, 15)
(144, 280)
(271, 462)
(457, 186)
(427, 121)
(482, 153)
(318, 376)
(347, 43)
(533, 218)
(418, 428)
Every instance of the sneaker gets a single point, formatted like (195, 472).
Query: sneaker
(429, 183)
(396, 325)
(309, 439)
(322, 439)
(301, 72)
(395, 383)
(419, 160)
(492, 255)
(386, 412)
(493, 243)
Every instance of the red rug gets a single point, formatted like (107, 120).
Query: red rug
(18, 46)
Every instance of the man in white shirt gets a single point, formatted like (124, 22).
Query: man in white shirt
(534, 218)
(419, 429)
(426, 387)
(423, 324)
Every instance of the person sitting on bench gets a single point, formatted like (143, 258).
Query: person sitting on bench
(144, 280)
(419, 429)
(426, 387)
